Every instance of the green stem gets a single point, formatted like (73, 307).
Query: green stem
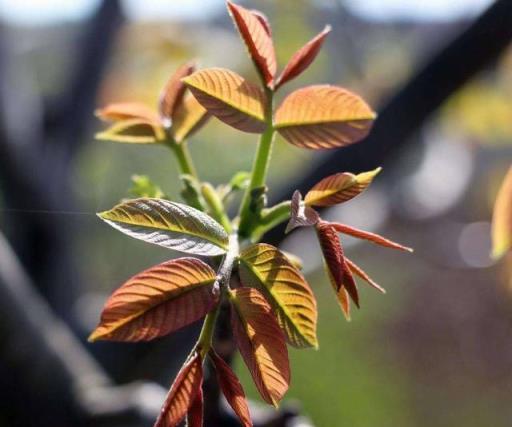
(205, 339)
(183, 157)
(271, 217)
(216, 206)
(259, 171)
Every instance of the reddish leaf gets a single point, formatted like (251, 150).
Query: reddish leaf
(172, 93)
(303, 58)
(261, 343)
(300, 214)
(372, 237)
(127, 110)
(229, 97)
(232, 389)
(323, 116)
(341, 295)
(158, 301)
(335, 259)
(133, 131)
(255, 32)
(339, 188)
(263, 20)
(183, 392)
(188, 118)
(358, 271)
(195, 413)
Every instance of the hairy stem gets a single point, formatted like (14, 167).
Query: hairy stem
(259, 172)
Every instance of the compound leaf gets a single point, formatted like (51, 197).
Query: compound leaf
(169, 224)
(183, 392)
(229, 97)
(255, 32)
(158, 301)
(265, 267)
(323, 116)
(261, 343)
(339, 188)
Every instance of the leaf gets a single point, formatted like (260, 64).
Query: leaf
(323, 116)
(261, 343)
(143, 186)
(229, 97)
(133, 131)
(231, 388)
(158, 301)
(303, 58)
(195, 413)
(168, 224)
(263, 266)
(341, 295)
(300, 214)
(502, 218)
(339, 188)
(126, 111)
(334, 257)
(189, 117)
(184, 390)
(371, 237)
(172, 94)
(255, 32)
(358, 271)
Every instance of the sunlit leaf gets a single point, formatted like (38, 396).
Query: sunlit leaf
(172, 94)
(184, 390)
(195, 413)
(261, 343)
(189, 117)
(334, 257)
(371, 237)
(158, 301)
(358, 271)
(502, 218)
(303, 58)
(255, 32)
(232, 389)
(301, 215)
(229, 97)
(265, 267)
(323, 116)
(133, 131)
(128, 110)
(169, 224)
(339, 188)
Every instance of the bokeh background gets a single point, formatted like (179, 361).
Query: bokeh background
(434, 351)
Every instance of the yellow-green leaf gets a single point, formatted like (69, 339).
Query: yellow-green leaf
(323, 116)
(502, 218)
(169, 224)
(265, 267)
(158, 301)
(133, 131)
(229, 97)
(188, 118)
(339, 188)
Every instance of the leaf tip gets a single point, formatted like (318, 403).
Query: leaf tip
(95, 336)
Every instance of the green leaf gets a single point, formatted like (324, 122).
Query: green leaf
(144, 187)
(169, 224)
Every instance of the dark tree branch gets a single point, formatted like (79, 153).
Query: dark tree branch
(471, 52)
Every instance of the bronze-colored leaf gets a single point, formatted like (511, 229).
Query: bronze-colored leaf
(183, 392)
(229, 97)
(261, 343)
(158, 301)
(335, 259)
(303, 58)
(133, 131)
(323, 116)
(371, 237)
(189, 117)
(195, 413)
(358, 271)
(172, 94)
(255, 32)
(339, 188)
(502, 218)
(232, 389)
(126, 111)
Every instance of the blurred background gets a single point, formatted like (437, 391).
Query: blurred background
(434, 351)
